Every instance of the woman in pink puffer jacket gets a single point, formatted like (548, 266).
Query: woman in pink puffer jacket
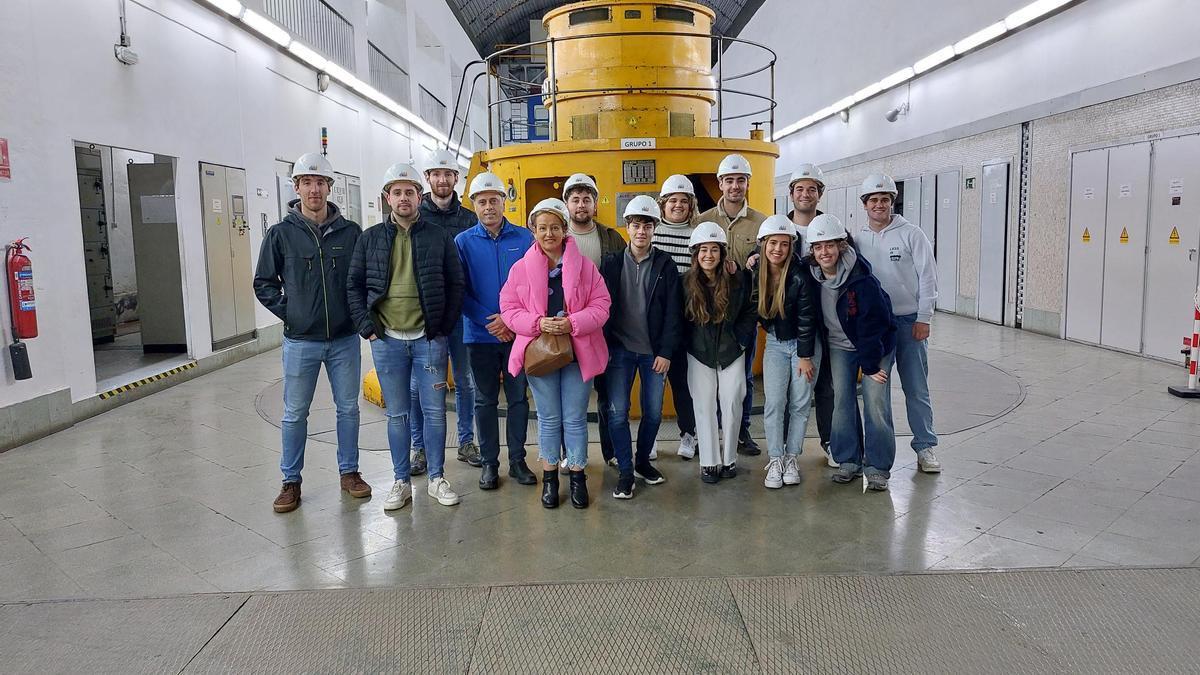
(555, 289)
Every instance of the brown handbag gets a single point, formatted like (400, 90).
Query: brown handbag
(547, 354)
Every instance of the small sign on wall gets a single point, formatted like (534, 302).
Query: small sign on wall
(5, 164)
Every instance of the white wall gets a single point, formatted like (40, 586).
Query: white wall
(1092, 43)
(205, 90)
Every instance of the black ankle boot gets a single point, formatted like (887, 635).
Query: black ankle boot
(579, 493)
(550, 488)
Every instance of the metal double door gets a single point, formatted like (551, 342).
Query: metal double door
(1132, 255)
(227, 254)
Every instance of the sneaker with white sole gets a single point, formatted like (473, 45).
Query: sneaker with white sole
(791, 471)
(654, 451)
(877, 482)
(687, 446)
(829, 461)
(400, 494)
(928, 462)
(440, 490)
(774, 477)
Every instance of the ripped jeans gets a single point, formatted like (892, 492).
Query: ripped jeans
(397, 362)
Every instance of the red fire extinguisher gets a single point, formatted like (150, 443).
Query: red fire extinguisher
(22, 305)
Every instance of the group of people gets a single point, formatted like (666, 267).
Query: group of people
(680, 300)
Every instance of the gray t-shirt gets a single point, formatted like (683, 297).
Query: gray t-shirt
(631, 326)
(830, 289)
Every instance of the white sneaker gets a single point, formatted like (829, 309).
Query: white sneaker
(928, 462)
(398, 497)
(440, 490)
(654, 451)
(774, 477)
(791, 472)
(687, 446)
(829, 461)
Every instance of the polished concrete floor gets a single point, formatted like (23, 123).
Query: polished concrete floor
(1095, 466)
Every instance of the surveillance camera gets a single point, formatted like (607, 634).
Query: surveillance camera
(322, 81)
(125, 55)
(894, 114)
(845, 116)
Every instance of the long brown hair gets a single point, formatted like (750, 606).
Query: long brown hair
(771, 289)
(707, 300)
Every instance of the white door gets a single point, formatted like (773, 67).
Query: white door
(239, 249)
(912, 201)
(1174, 239)
(1085, 250)
(1125, 246)
(215, 207)
(993, 235)
(929, 209)
(947, 239)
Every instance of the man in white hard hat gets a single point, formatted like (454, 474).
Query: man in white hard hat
(488, 251)
(299, 281)
(441, 206)
(595, 240)
(643, 333)
(806, 188)
(902, 258)
(741, 223)
(405, 294)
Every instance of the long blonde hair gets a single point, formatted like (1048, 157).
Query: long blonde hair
(772, 289)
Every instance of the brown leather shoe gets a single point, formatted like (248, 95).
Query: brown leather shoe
(354, 484)
(288, 499)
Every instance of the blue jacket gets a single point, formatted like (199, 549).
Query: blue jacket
(485, 263)
(865, 313)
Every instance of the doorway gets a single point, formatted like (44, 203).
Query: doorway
(132, 261)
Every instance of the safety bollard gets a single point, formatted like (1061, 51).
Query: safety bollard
(1191, 391)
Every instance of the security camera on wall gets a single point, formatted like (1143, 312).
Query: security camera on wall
(895, 113)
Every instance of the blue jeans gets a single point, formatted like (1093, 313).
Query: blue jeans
(464, 395)
(912, 365)
(399, 362)
(302, 361)
(879, 436)
(622, 366)
(789, 396)
(562, 401)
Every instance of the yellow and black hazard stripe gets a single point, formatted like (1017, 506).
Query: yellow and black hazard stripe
(146, 380)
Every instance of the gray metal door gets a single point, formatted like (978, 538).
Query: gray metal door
(1125, 246)
(157, 256)
(833, 202)
(912, 201)
(946, 217)
(241, 263)
(1174, 238)
(1085, 249)
(855, 214)
(993, 236)
(929, 209)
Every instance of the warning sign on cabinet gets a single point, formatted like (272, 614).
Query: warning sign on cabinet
(1174, 238)
(1175, 187)
(1125, 191)
(1088, 193)
(1087, 236)
(1124, 235)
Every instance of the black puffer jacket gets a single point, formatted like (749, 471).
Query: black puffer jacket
(664, 304)
(455, 220)
(435, 264)
(801, 307)
(719, 345)
(301, 275)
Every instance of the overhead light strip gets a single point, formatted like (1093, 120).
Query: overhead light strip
(306, 55)
(1027, 14)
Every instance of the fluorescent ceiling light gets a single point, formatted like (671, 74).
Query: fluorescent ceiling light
(267, 29)
(230, 7)
(896, 78)
(307, 55)
(1032, 11)
(975, 39)
(935, 59)
(842, 104)
(339, 73)
(867, 92)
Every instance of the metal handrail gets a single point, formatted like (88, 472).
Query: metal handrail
(491, 62)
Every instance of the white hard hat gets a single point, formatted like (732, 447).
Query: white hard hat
(402, 172)
(825, 227)
(312, 164)
(550, 205)
(443, 159)
(578, 179)
(676, 184)
(876, 183)
(708, 233)
(734, 164)
(777, 225)
(644, 206)
(487, 182)
(808, 171)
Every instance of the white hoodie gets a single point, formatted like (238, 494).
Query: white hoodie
(901, 258)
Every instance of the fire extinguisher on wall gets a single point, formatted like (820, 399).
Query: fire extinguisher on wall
(22, 305)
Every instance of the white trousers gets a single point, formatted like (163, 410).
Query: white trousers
(711, 388)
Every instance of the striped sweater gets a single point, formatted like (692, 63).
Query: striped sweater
(673, 240)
